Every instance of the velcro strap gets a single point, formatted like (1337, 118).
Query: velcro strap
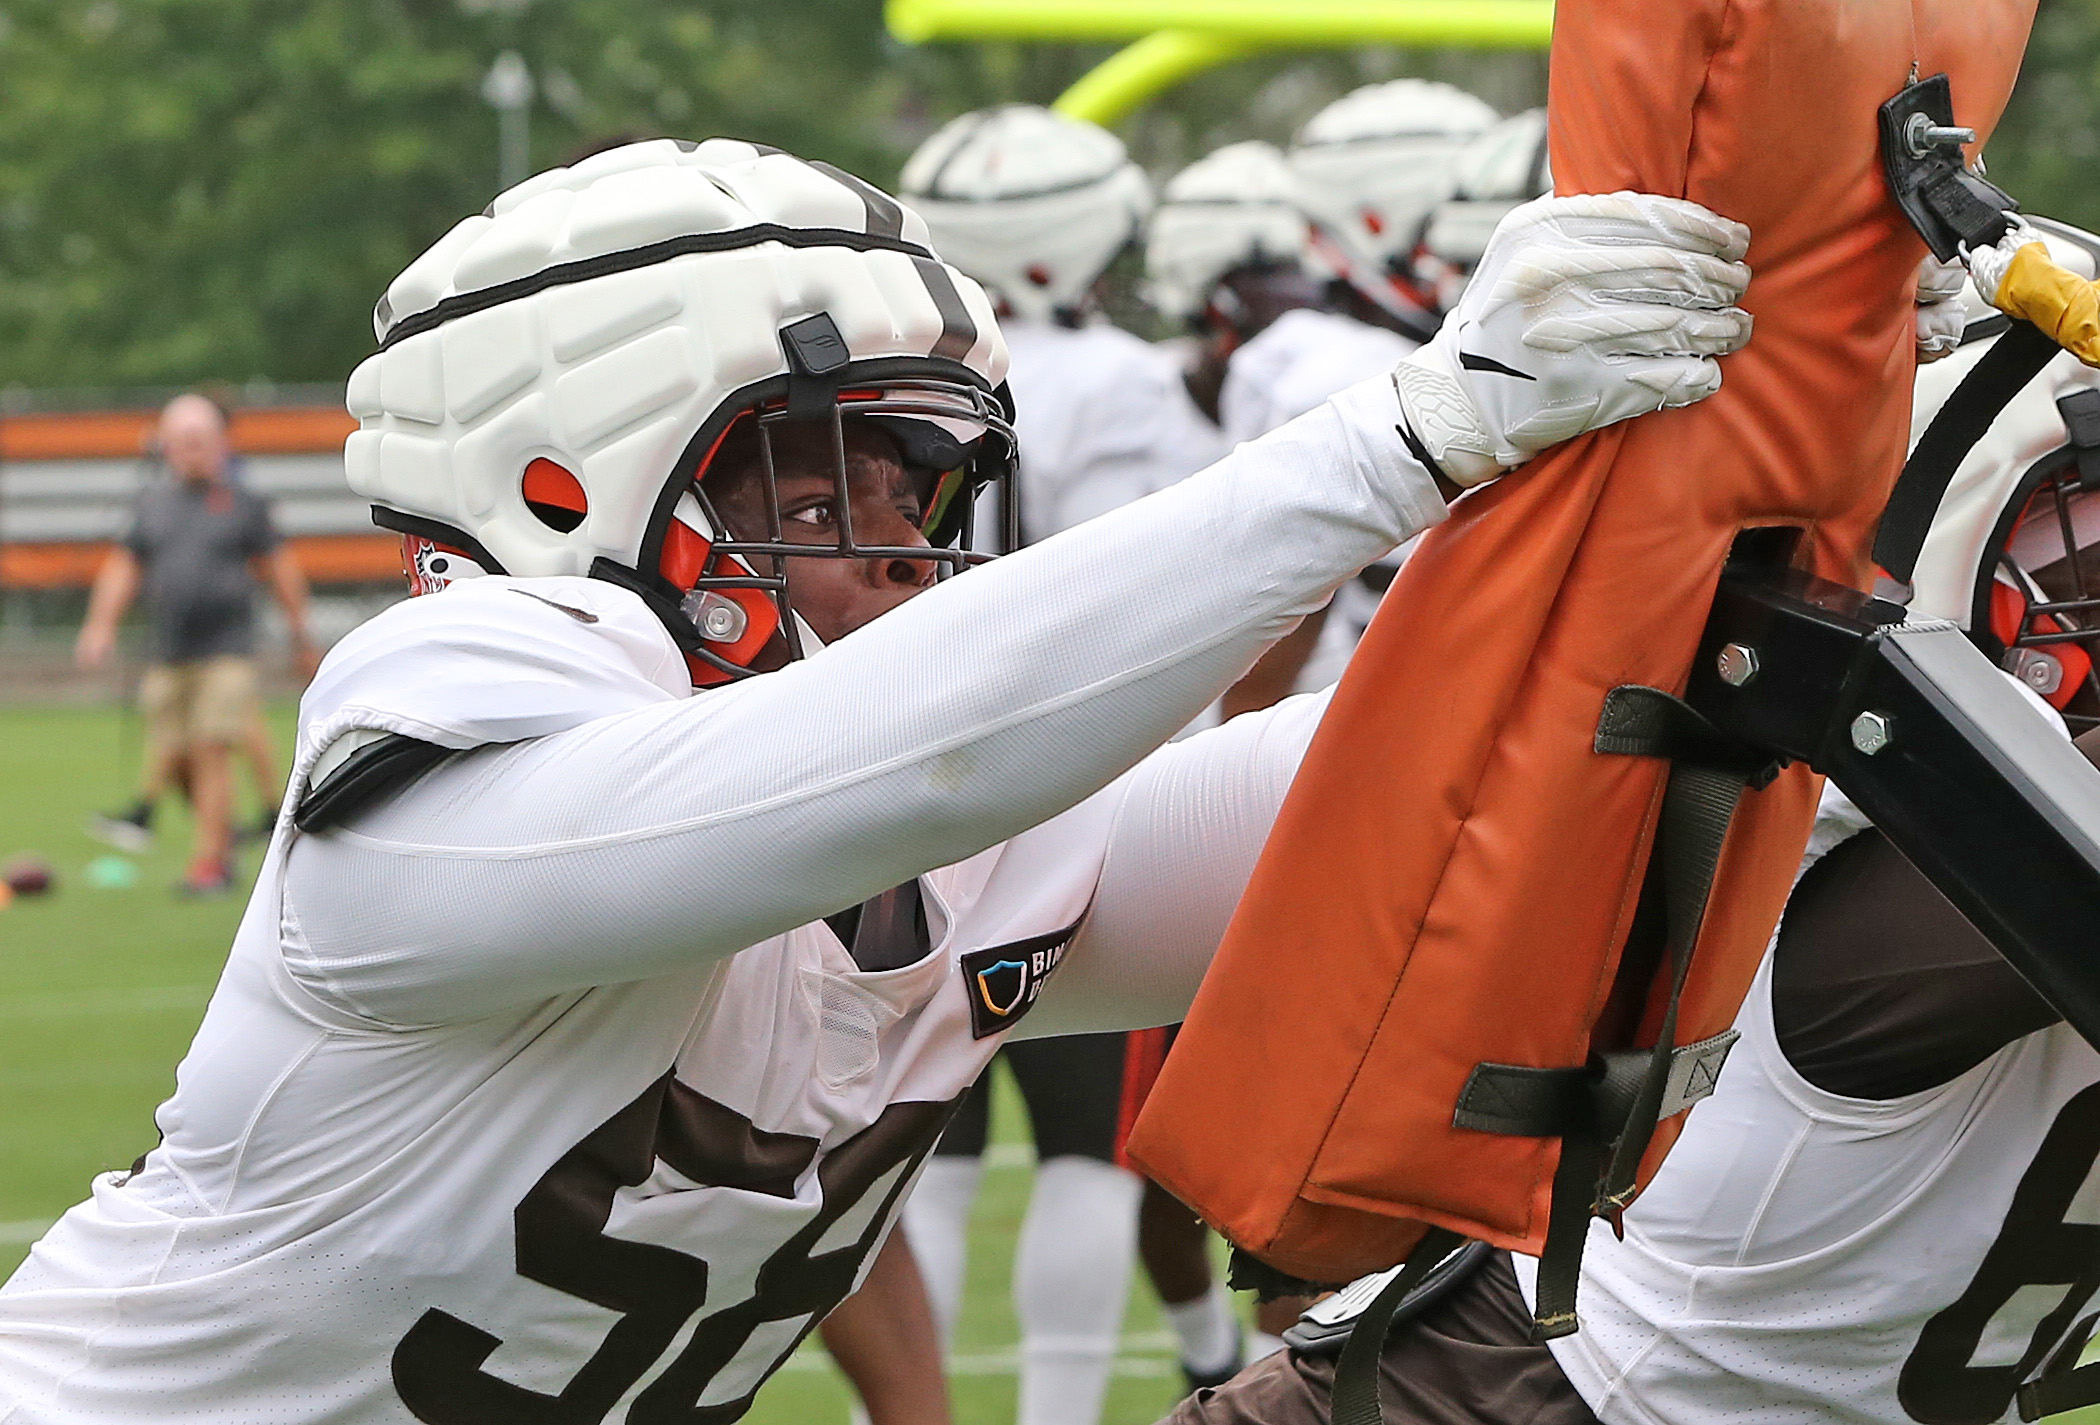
(1958, 203)
(2081, 413)
(1519, 1101)
(1523, 1102)
(1694, 1069)
(1639, 721)
(2054, 1394)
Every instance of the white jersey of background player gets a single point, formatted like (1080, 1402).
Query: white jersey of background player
(1035, 206)
(571, 1059)
(1405, 181)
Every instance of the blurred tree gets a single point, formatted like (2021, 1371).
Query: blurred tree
(200, 189)
(221, 188)
(2048, 143)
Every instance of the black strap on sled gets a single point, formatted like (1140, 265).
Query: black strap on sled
(1605, 1112)
(1323, 1328)
(1989, 387)
(2063, 1384)
(1355, 1398)
(1951, 207)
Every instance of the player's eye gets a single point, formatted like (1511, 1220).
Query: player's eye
(818, 514)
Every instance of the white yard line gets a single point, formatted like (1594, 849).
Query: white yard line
(21, 1234)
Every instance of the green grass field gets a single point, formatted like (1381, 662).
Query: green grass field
(101, 989)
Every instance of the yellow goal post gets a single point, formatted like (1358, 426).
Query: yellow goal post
(1173, 39)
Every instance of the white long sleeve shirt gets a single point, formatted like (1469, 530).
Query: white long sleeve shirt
(542, 1091)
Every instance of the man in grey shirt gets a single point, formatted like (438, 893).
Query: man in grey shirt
(197, 547)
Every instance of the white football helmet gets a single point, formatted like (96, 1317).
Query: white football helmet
(554, 376)
(1031, 203)
(1502, 168)
(1236, 208)
(2013, 554)
(1373, 165)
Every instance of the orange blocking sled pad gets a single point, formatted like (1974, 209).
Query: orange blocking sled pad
(1454, 872)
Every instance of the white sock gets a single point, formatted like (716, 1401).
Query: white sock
(937, 1220)
(1207, 1330)
(1261, 1345)
(1071, 1278)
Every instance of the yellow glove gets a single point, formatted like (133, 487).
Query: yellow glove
(2020, 279)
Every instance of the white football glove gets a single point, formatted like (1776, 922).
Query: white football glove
(1583, 311)
(1987, 264)
(1941, 315)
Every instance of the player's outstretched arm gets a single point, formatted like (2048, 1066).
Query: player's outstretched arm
(1173, 845)
(653, 840)
(686, 830)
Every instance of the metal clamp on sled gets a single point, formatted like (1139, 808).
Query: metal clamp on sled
(1921, 151)
(1936, 745)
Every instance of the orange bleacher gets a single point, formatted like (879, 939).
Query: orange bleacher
(59, 437)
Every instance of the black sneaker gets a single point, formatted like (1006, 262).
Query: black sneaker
(130, 831)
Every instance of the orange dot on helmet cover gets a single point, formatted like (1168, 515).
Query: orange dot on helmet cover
(554, 496)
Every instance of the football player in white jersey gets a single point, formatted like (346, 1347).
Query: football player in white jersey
(1375, 164)
(1036, 206)
(1227, 257)
(583, 1034)
(1889, 1210)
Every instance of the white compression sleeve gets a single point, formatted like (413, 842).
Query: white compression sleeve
(1206, 1332)
(1071, 1279)
(937, 1219)
(979, 709)
(1184, 838)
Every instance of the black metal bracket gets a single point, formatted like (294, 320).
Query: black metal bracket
(1933, 743)
(1922, 156)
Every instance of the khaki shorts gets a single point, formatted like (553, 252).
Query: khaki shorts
(214, 700)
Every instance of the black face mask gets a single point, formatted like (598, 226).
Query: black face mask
(2036, 605)
(949, 473)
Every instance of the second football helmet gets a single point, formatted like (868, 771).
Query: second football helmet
(1032, 204)
(1237, 208)
(1373, 165)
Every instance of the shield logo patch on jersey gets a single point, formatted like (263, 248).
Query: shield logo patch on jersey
(1004, 980)
(999, 986)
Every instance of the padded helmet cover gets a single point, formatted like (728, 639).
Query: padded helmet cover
(2030, 427)
(1031, 203)
(1494, 173)
(598, 316)
(1236, 208)
(1378, 159)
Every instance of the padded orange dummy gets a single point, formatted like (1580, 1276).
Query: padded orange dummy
(1454, 870)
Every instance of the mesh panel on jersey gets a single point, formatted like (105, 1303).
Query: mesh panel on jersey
(849, 1024)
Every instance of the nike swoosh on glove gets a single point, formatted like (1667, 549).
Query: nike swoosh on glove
(1583, 311)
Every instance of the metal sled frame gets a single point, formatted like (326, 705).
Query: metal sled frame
(1960, 771)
